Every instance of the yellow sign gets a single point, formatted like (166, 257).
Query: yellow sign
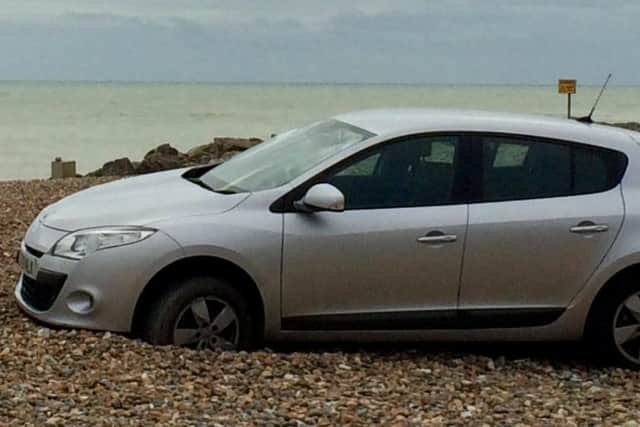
(567, 86)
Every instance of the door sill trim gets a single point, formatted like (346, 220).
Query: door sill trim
(490, 318)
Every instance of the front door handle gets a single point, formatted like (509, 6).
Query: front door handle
(437, 237)
(588, 227)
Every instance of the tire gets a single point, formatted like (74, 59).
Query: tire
(177, 316)
(613, 331)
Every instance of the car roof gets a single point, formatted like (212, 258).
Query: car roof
(395, 122)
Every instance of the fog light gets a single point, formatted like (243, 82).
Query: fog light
(80, 302)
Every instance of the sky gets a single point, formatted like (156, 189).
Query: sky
(363, 41)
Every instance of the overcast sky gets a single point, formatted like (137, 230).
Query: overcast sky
(399, 41)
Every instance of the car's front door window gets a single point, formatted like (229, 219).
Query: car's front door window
(418, 171)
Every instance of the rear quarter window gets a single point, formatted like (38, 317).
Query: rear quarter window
(596, 169)
(520, 167)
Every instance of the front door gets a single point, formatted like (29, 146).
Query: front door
(392, 259)
(545, 216)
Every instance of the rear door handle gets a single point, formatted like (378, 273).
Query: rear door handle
(588, 227)
(437, 238)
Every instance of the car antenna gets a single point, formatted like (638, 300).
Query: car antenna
(588, 119)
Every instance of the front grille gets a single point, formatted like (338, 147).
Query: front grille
(41, 293)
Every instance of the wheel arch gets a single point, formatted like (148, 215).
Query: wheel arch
(624, 278)
(201, 265)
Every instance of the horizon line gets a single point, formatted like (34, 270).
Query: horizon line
(303, 83)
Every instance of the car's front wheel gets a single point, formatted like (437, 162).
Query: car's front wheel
(615, 327)
(201, 313)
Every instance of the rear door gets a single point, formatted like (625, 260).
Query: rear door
(543, 217)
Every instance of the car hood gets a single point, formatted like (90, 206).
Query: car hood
(137, 201)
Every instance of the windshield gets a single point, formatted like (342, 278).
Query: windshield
(284, 158)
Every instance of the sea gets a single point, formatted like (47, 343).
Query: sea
(92, 123)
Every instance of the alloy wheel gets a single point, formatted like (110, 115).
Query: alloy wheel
(207, 322)
(626, 328)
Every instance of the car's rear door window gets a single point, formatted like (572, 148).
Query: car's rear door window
(516, 168)
(519, 169)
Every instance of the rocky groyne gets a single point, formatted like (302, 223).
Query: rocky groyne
(166, 157)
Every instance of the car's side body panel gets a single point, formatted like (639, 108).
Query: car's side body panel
(625, 251)
(370, 261)
(523, 253)
(250, 238)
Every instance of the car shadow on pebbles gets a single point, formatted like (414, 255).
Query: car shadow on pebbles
(569, 354)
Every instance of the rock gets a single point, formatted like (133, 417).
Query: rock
(220, 148)
(635, 126)
(203, 153)
(161, 158)
(236, 144)
(53, 421)
(629, 125)
(165, 157)
(118, 167)
(162, 150)
(229, 154)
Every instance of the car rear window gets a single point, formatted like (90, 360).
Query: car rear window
(516, 168)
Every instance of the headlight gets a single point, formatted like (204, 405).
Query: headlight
(81, 243)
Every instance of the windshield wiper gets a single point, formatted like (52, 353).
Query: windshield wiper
(203, 184)
(199, 182)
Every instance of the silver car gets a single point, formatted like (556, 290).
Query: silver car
(374, 225)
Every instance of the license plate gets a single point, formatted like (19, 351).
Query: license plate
(29, 264)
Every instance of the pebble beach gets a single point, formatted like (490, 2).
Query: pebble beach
(70, 377)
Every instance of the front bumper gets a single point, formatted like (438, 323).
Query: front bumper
(40, 293)
(111, 279)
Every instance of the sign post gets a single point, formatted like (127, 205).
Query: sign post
(568, 87)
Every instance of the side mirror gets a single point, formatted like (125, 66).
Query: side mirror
(321, 197)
